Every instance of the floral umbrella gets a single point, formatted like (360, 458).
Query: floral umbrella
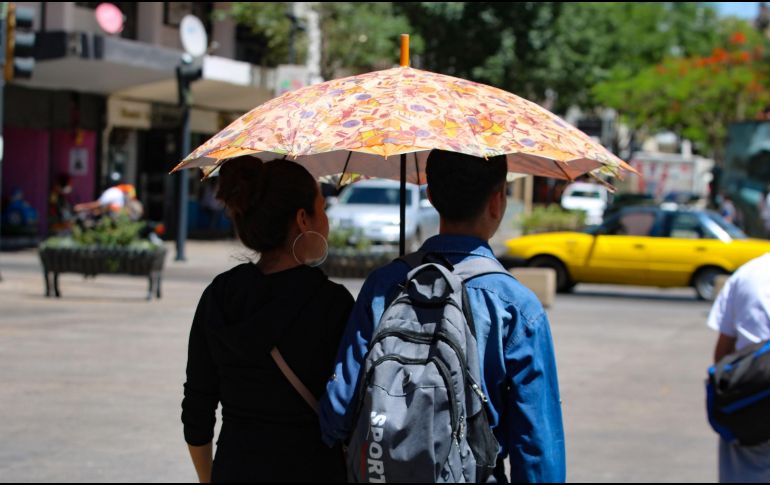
(360, 124)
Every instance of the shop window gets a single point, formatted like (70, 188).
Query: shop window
(174, 12)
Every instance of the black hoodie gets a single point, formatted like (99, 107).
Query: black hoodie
(268, 431)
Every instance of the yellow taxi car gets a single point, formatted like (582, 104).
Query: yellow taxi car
(649, 246)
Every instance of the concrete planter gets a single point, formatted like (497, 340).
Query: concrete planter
(94, 260)
(353, 263)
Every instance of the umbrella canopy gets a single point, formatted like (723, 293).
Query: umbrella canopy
(353, 124)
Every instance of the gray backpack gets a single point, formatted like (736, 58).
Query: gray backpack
(421, 413)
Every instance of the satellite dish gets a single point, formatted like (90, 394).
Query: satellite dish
(193, 34)
(110, 18)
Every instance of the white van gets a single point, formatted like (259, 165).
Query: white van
(590, 198)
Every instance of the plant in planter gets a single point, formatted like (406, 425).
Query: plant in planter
(352, 255)
(110, 246)
(552, 218)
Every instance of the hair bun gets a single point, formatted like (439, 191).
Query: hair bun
(240, 183)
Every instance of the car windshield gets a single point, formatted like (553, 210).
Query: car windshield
(729, 228)
(373, 195)
(584, 193)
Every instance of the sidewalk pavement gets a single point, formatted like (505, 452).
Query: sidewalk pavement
(92, 382)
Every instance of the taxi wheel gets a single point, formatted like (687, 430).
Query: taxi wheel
(703, 282)
(563, 282)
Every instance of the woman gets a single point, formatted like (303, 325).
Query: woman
(269, 432)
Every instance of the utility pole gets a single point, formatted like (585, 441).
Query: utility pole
(3, 60)
(194, 39)
(187, 72)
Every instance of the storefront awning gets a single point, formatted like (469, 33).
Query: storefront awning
(134, 70)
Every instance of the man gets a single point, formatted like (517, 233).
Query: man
(119, 198)
(740, 315)
(513, 333)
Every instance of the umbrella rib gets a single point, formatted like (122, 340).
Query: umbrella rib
(569, 177)
(339, 182)
(417, 168)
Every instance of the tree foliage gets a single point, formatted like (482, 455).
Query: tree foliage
(271, 27)
(361, 36)
(356, 36)
(666, 65)
(699, 95)
(561, 49)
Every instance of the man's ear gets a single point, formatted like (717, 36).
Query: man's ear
(496, 205)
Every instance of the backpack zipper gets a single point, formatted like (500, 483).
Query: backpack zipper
(443, 370)
(454, 413)
(440, 335)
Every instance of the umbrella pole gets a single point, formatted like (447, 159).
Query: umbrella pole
(402, 238)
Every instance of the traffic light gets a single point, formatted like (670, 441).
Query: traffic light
(187, 72)
(19, 43)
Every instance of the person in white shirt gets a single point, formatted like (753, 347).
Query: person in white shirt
(114, 200)
(741, 315)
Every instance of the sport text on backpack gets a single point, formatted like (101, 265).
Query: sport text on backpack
(421, 409)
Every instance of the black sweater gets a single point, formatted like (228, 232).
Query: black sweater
(267, 428)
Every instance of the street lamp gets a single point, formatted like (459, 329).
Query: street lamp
(186, 72)
(195, 43)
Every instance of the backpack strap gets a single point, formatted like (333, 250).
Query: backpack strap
(472, 268)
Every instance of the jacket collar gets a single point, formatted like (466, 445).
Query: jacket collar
(451, 243)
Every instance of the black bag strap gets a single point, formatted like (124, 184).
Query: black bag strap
(284, 366)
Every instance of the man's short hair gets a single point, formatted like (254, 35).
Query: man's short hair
(460, 185)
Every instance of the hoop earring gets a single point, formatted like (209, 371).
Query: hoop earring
(313, 263)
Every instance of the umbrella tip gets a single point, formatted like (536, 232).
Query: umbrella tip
(404, 50)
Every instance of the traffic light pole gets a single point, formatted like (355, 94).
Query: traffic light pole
(3, 60)
(188, 71)
(182, 179)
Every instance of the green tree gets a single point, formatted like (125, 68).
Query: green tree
(595, 42)
(697, 96)
(271, 26)
(361, 36)
(564, 48)
(356, 36)
(495, 43)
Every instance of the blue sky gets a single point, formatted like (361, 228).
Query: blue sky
(747, 10)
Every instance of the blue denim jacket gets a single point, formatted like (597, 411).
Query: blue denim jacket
(515, 350)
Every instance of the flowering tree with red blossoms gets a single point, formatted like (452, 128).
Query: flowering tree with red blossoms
(697, 97)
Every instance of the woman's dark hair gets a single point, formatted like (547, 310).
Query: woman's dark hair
(263, 198)
(460, 185)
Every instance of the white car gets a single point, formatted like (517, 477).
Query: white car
(372, 207)
(590, 198)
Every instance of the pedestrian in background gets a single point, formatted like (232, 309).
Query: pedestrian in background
(258, 326)
(728, 210)
(741, 315)
(60, 210)
(764, 211)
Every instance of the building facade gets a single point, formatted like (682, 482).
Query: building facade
(101, 106)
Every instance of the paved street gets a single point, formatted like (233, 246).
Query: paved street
(91, 384)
